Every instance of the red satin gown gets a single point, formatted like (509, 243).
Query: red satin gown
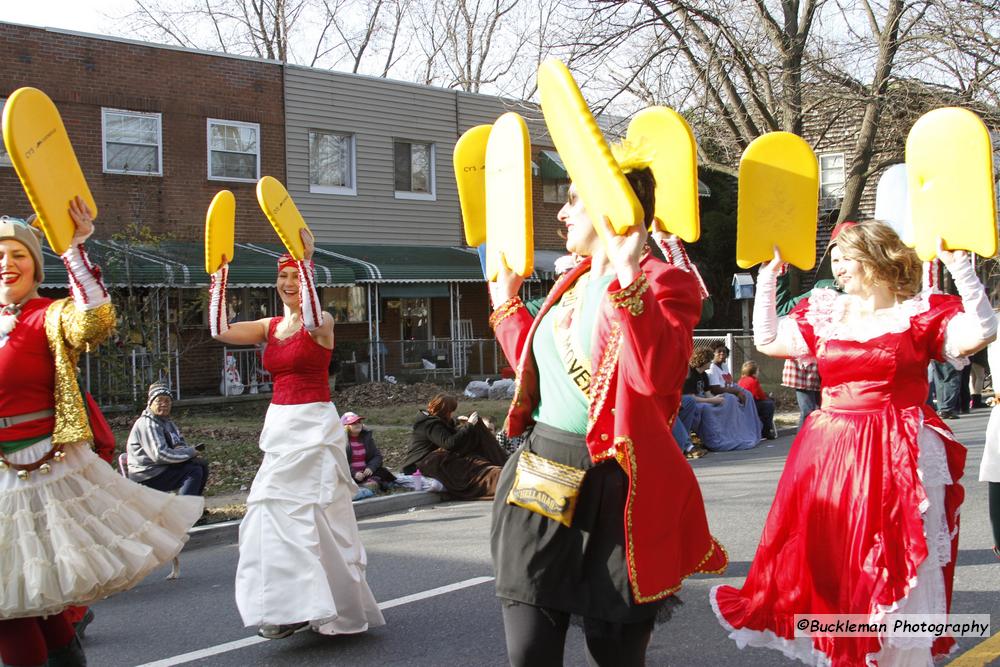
(867, 475)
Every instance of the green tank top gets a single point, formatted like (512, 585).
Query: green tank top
(561, 347)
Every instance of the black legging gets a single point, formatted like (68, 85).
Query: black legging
(536, 637)
(994, 495)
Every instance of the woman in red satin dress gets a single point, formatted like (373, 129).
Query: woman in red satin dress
(865, 517)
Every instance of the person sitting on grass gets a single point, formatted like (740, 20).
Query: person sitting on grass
(463, 456)
(158, 456)
(366, 460)
(765, 402)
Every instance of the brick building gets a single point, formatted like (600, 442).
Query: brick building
(159, 130)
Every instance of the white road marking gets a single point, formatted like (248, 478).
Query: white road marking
(250, 641)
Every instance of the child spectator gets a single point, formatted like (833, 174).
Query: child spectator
(765, 403)
(365, 458)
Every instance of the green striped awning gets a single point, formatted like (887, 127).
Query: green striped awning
(182, 264)
(405, 264)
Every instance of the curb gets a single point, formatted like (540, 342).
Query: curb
(226, 531)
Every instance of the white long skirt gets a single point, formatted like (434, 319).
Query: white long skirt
(81, 532)
(301, 557)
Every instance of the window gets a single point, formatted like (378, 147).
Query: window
(233, 150)
(331, 163)
(415, 328)
(132, 142)
(555, 191)
(414, 170)
(831, 180)
(346, 304)
(4, 158)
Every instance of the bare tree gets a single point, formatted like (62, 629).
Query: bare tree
(740, 69)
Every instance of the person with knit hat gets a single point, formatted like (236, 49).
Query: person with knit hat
(75, 513)
(158, 456)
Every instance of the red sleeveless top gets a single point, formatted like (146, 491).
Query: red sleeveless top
(299, 367)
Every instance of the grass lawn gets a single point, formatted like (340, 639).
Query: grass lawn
(231, 432)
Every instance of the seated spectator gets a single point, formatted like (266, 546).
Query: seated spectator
(364, 456)
(684, 426)
(721, 421)
(464, 457)
(158, 457)
(765, 402)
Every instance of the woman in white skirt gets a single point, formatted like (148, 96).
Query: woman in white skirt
(989, 469)
(301, 558)
(72, 531)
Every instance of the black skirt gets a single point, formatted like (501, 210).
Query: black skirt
(580, 569)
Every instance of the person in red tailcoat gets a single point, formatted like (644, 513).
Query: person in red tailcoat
(865, 516)
(598, 516)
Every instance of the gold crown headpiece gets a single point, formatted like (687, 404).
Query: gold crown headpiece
(632, 155)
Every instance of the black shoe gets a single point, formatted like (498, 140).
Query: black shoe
(280, 631)
(947, 414)
(70, 655)
(81, 625)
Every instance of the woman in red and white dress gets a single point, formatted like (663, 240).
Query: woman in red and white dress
(865, 517)
(72, 530)
(301, 558)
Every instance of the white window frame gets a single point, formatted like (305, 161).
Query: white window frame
(351, 190)
(4, 156)
(431, 195)
(823, 181)
(208, 149)
(105, 111)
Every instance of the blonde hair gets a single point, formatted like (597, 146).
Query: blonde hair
(883, 257)
(749, 368)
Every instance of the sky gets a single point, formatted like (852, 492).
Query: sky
(93, 16)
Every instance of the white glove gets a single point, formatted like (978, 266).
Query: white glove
(84, 278)
(312, 310)
(765, 308)
(218, 316)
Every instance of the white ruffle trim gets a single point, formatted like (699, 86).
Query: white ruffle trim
(925, 593)
(82, 533)
(828, 309)
(790, 336)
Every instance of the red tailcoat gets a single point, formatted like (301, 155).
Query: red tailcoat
(639, 359)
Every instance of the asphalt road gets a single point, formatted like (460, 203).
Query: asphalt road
(430, 569)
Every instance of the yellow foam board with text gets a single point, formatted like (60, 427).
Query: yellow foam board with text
(220, 231)
(509, 228)
(949, 169)
(44, 160)
(283, 214)
(778, 201)
(674, 162)
(591, 166)
(469, 160)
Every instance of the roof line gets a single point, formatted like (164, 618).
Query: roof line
(271, 253)
(166, 261)
(374, 272)
(145, 255)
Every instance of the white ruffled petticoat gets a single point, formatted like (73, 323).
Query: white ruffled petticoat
(301, 557)
(81, 532)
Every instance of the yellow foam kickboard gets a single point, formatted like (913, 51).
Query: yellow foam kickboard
(778, 201)
(949, 168)
(284, 216)
(667, 137)
(509, 228)
(584, 152)
(43, 157)
(220, 234)
(469, 160)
